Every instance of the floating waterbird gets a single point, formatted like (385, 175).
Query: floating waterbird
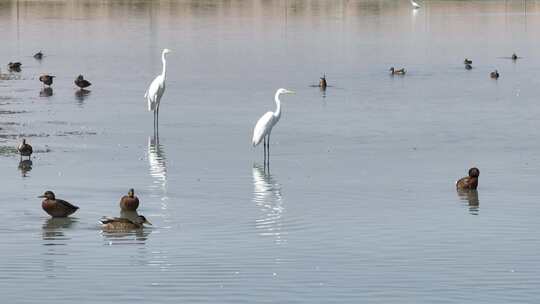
(38, 55)
(494, 74)
(81, 82)
(156, 89)
(129, 202)
(46, 79)
(56, 207)
(467, 61)
(322, 82)
(14, 66)
(397, 72)
(514, 56)
(264, 125)
(415, 5)
(468, 66)
(469, 182)
(122, 224)
(25, 149)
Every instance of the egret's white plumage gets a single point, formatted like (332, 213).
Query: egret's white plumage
(264, 125)
(157, 88)
(414, 4)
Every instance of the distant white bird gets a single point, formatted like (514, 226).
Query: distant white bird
(156, 90)
(264, 125)
(415, 5)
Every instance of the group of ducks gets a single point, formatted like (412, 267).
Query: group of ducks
(56, 207)
(61, 208)
(47, 79)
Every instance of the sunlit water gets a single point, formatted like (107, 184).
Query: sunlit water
(359, 203)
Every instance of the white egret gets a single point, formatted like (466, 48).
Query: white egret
(415, 5)
(156, 90)
(264, 125)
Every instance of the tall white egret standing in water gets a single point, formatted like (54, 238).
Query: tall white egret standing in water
(264, 126)
(156, 90)
(415, 5)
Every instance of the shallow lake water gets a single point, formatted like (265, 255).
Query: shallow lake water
(359, 203)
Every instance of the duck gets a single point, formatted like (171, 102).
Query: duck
(38, 55)
(468, 66)
(467, 61)
(398, 72)
(14, 66)
(469, 182)
(81, 82)
(25, 149)
(46, 79)
(514, 56)
(322, 82)
(129, 202)
(122, 224)
(494, 74)
(56, 207)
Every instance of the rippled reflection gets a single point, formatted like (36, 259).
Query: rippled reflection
(25, 166)
(54, 230)
(471, 197)
(81, 95)
(46, 92)
(267, 196)
(156, 160)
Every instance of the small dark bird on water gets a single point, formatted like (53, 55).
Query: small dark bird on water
(469, 182)
(397, 72)
(46, 79)
(38, 55)
(56, 207)
(14, 66)
(468, 66)
(122, 224)
(467, 61)
(514, 56)
(494, 74)
(25, 149)
(322, 82)
(129, 202)
(81, 82)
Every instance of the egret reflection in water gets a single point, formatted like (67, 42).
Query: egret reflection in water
(471, 197)
(158, 168)
(267, 196)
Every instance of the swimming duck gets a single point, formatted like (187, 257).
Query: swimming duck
(398, 72)
(56, 207)
(494, 74)
(129, 202)
(46, 79)
(468, 66)
(469, 182)
(38, 55)
(14, 66)
(467, 61)
(81, 82)
(25, 149)
(119, 224)
(514, 56)
(322, 82)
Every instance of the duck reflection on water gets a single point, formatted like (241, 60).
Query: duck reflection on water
(25, 166)
(267, 196)
(471, 197)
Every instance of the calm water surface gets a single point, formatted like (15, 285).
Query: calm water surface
(359, 203)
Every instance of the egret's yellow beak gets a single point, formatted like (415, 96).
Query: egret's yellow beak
(147, 222)
(290, 92)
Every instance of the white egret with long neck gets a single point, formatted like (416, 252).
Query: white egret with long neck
(156, 89)
(264, 125)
